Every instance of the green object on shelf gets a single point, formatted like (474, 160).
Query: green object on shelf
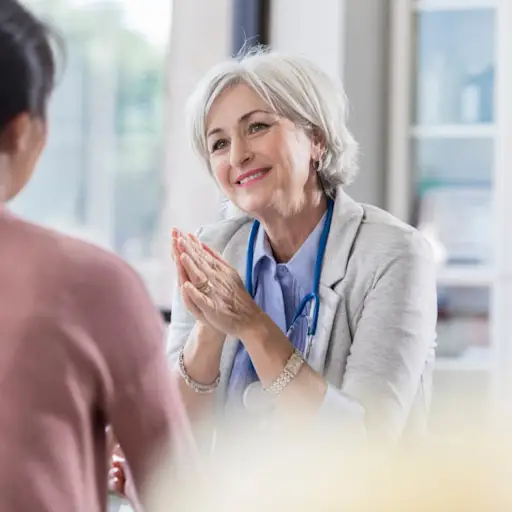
(427, 184)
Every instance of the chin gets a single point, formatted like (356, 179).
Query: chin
(253, 206)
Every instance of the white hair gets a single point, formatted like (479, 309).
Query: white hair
(293, 87)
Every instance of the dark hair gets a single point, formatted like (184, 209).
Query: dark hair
(27, 63)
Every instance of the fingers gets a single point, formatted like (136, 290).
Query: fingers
(197, 250)
(218, 261)
(195, 275)
(116, 478)
(182, 274)
(214, 254)
(190, 304)
(202, 258)
(200, 301)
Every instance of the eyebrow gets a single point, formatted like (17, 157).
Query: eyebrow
(241, 120)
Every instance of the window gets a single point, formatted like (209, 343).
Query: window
(101, 177)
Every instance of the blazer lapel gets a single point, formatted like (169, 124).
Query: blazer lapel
(347, 218)
(329, 301)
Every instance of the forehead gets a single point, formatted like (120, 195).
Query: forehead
(232, 103)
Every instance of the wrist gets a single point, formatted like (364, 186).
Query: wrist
(209, 336)
(202, 359)
(267, 346)
(260, 328)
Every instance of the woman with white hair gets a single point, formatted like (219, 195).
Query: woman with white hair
(305, 301)
(306, 296)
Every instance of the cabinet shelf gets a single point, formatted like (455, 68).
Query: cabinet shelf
(450, 65)
(454, 131)
(453, 5)
(474, 359)
(467, 276)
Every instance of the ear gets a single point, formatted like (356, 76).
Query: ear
(15, 137)
(317, 144)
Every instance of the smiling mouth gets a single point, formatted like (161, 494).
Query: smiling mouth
(248, 179)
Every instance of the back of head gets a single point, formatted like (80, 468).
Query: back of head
(27, 64)
(27, 71)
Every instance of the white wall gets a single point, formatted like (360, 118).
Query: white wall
(366, 83)
(192, 194)
(348, 38)
(313, 29)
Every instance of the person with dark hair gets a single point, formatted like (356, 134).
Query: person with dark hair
(81, 344)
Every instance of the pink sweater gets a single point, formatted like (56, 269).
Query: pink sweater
(81, 346)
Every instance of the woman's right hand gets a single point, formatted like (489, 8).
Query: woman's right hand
(183, 277)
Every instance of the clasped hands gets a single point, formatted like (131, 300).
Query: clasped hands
(211, 289)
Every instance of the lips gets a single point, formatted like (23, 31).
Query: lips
(251, 176)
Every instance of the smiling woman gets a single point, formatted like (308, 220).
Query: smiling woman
(308, 301)
(282, 152)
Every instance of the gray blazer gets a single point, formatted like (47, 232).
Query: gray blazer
(378, 309)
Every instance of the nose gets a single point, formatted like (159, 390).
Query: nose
(240, 152)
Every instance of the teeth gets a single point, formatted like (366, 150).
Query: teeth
(252, 177)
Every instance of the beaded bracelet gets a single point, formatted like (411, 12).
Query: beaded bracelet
(196, 386)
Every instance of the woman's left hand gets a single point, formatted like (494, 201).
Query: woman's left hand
(221, 296)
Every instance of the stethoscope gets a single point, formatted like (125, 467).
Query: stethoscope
(253, 396)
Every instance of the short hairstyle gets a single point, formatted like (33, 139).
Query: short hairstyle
(27, 63)
(293, 87)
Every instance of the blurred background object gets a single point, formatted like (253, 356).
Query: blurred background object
(429, 86)
(448, 173)
(317, 472)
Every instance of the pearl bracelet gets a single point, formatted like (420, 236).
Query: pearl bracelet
(196, 386)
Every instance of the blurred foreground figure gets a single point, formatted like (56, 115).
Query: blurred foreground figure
(316, 474)
(81, 344)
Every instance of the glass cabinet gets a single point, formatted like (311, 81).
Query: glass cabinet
(448, 157)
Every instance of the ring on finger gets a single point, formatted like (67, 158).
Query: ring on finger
(205, 287)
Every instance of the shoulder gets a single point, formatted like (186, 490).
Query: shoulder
(386, 237)
(93, 271)
(221, 234)
(69, 260)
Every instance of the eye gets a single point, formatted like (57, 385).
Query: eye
(218, 144)
(257, 127)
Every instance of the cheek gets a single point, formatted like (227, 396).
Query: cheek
(297, 161)
(293, 151)
(220, 169)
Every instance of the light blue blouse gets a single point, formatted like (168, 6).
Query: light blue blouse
(279, 289)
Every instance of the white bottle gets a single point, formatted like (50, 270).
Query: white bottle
(470, 100)
(430, 91)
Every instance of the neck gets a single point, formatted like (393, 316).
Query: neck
(287, 233)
